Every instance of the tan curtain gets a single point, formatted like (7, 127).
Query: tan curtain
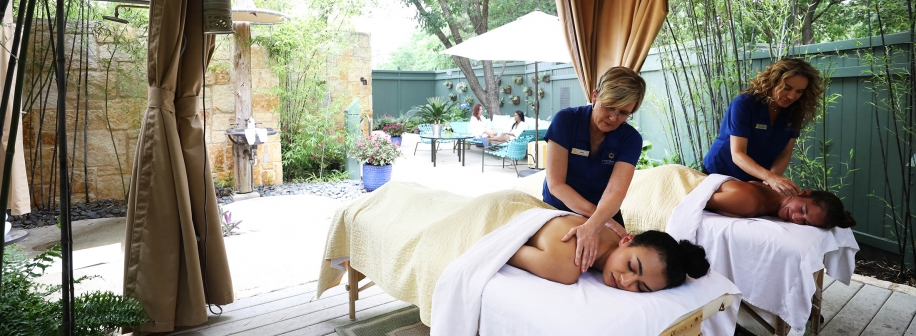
(19, 185)
(172, 241)
(603, 34)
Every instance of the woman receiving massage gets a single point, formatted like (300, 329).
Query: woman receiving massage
(648, 262)
(754, 199)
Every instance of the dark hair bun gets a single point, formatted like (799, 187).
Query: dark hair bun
(847, 221)
(695, 263)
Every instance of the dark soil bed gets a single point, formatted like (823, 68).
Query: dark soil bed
(887, 271)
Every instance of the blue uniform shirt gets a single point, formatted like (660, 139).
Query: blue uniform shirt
(748, 118)
(589, 175)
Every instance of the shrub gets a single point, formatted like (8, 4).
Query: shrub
(25, 309)
(395, 129)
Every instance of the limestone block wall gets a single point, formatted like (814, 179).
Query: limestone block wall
(103, 129)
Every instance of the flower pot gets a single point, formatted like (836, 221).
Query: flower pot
(396, 141)
(437, 129)
(375, 176)
(507, 90)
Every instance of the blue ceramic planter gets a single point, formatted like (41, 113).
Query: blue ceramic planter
(375, 176)
(396, 141)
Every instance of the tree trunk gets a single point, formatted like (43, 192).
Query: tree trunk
(242, 64)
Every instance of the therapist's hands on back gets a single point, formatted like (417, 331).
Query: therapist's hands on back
(587, 241)
(782, 185)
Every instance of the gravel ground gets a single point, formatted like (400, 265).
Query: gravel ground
(39, 217)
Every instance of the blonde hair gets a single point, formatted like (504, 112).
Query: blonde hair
(619, 86)
(802, 111)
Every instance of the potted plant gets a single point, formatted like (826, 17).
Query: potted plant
(507, 89)
(469, 100)
(545, 77)
(541, 92)
(377, 155)
(515, 100)
(518, 80)
(448, 84)
(527, 90)
(534, 79)
(435, 110)
(462, 86)
(453, 96)
(501, 103)
(395, 130)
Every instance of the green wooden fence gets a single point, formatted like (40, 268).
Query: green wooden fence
(850, 123)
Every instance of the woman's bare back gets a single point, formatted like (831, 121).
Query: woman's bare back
(548, 257)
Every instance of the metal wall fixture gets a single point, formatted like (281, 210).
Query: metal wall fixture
(117, 18)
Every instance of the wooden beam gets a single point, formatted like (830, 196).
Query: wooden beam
(241, 62)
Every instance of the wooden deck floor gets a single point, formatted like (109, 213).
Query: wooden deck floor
(858, 309)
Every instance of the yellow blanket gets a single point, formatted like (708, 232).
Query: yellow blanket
(402, 236)
(652, 195)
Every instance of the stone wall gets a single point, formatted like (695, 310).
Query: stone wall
(108, 152)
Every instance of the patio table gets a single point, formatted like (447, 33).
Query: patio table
(460, 138)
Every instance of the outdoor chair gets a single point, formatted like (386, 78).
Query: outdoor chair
(426, 129)
(515, 149)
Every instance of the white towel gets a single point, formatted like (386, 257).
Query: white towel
(457, 296)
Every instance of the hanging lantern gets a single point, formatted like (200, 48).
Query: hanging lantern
(218, 17)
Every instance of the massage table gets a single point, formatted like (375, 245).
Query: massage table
(745, 250)
(426, 253)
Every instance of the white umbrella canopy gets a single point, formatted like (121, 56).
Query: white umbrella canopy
(535, 37)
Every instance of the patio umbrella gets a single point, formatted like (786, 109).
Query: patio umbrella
(534, 37)
(174, 259)
(604, 34)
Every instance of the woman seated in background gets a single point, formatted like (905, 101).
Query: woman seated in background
(516, 130)
(754, 199)
(478, 124)
(648, 262)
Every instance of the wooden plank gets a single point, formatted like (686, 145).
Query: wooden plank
(328, 326)
(911, 331)
(247, 322)
(314, 323)
(858, 312)
(836, 297)
(305, 289)
(894, 317)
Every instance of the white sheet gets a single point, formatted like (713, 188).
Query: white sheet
(463, 287)
(516, 302)
(771, 261)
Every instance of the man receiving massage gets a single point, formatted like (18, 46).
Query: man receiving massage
(648, 262)
(754, 199)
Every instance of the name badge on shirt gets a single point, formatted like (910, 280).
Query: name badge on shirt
(761, 126)
(580, 152)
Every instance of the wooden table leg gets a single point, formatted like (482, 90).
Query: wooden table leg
(817, 302)
(353, 288)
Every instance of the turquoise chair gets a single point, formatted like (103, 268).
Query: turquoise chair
(516, 149)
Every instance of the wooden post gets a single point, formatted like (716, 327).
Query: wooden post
(241, 61)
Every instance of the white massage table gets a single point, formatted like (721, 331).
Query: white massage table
(357, 227)
(743, 250)
(771, 261)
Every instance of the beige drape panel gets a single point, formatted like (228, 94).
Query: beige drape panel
(606, 33)
(19, 185)
(173, 230)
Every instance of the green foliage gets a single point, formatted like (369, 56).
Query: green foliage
(25, 309)
(303, 54)
(422, 53)
(381, 122)
(375, 150)
(226, 182)
(435, 111)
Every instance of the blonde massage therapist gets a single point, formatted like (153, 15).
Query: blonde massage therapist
(591, 156)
